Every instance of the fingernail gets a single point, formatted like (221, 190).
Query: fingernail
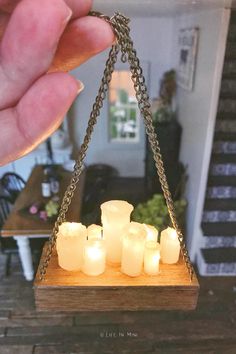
(68, 17)
(80, 86)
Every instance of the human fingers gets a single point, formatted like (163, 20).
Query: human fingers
(37, 115)
(29, 44)
(8, 5)
(79, 8)
(82, 39)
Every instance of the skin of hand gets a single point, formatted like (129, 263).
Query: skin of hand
(40, 41)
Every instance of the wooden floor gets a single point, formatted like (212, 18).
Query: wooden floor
(209, 329)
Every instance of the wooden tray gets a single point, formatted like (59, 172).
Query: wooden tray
(111, 291)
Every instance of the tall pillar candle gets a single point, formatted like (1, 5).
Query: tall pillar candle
(151, 258)
(70, 242)
(94, 261)
(115, 217)
(133, 249)
(170, 246)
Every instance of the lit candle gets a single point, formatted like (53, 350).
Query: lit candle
(115, 216)
(94, 232)
(94, 262)
(70, 242)
(152, 232)
(170, 246)
(133, 249)
(151, 258)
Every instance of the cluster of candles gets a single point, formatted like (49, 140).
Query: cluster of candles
(131, 245)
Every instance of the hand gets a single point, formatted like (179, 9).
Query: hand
(40, 41)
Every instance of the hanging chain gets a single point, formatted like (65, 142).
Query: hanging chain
(79, 163)
(119, 24)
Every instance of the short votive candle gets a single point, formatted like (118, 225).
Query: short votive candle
(94, 262)
(151, 258)
(70, 242)
(152, 233)
(170, 246)
(133, 249)
(115, 217)
(94, 232)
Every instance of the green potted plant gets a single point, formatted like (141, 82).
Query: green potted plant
(155, 212)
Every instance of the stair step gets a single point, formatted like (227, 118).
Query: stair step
(219, 216)
(219, 255)
(232, 32)
(224, 147)
(216, 181)
(219, 228)
(229, 69)
(225, 136)
(217, 261)
(232, 18)
(230, 52)
(218, 241)
(222, 158)
(223, 169)
(220, 204)
(227, 105)
(228, 88)
(225, 116)
(215, 269)
(221, 192)
(228, 94)
(226, 126)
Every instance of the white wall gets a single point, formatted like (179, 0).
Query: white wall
(197, 109)
(152, 40)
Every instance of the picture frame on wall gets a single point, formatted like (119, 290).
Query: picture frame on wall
(187, 54)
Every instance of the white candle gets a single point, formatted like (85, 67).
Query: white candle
(151, 258)
(133, 249)
(115, 217)
(152, 233)
(94, 232)
(94, 262)
(70, 244)
(170, 247)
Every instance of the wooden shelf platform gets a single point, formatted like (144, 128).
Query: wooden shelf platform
(111, 291)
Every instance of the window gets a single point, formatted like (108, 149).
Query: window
(123, 109)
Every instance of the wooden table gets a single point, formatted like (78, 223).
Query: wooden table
(23, 227)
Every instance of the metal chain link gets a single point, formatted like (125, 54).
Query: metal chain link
(119, 24)
(79, 163)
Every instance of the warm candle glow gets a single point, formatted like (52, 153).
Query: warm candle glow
(94, 261)
(70, 244)
(170, 246)
(151, 258)
(94, 232)
(115, 217)
(133, 249)
(152, 232)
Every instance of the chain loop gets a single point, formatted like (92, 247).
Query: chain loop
(119, 24)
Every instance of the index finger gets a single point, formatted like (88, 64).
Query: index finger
(79, 8)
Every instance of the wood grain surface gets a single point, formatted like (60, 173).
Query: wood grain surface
(75, 291)
(19, 224)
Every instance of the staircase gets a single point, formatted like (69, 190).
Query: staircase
(218, 253)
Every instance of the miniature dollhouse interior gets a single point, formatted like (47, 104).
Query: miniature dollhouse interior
(141, 257)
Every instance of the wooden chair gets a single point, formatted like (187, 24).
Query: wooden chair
(12, 184)
(8, 244)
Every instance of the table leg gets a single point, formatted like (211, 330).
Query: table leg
(25, 256)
